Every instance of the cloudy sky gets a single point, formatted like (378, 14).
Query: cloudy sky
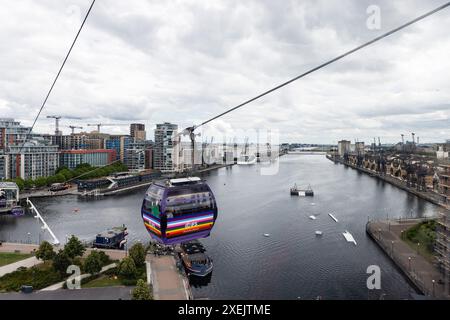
(185, 61)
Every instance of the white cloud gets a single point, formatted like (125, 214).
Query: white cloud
(185, 61)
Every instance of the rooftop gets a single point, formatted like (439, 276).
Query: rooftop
(8, 185)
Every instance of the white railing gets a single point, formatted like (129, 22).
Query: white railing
(44, 224)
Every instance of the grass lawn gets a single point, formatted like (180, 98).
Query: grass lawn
(38, 276)
(11, 257)
(103, 281)
(425, 234)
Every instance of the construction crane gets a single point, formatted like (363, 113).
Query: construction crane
(57, 132)
(75, 127)
(190, 132)
(98, 125)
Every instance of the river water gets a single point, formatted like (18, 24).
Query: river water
(292, 263)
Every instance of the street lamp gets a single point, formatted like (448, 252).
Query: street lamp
(418, 246)
(379, 233)
(433, 285)
(392, 247)
(409, 260)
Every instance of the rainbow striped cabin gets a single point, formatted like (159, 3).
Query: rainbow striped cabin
(179, 210)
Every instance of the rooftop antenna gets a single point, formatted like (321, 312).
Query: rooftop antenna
(403, 142)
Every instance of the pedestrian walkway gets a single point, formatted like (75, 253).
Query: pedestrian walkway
(27, 263)
(423, 273)
(18, 247)
(60, 285)
(168, 283)
(105, 293)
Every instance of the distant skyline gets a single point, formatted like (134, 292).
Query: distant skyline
(185, 61)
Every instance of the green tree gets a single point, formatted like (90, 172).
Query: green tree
(104, 258)
(20, 183)
(61, 262)
(137, 253)
(141, 291)
(127, 268)
(40, 182)
(29, 183)
(51, 180)
(74, 247)
(60, 169)
(45, 251)
(60, 178)
(66, 173)
(93, 263)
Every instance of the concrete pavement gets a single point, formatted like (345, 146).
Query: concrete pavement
(420, 271)
(168, 283)
(60, 285)
(106, 293)
(27, 263)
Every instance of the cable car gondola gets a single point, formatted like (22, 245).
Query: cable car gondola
(179, 210)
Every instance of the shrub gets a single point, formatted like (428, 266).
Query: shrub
(45, 251)
(74, 247)
(93, 263)
(142, 291)
(127, 268)
(137, 253)
(61, 262)
(39, 277)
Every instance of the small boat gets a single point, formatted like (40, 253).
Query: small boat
(247, 159)
(114, 238)
(17, 211)
(55, 187)
(318, 233)
(266, 234)
(348, 236)
(308, 192)
(312, 217)
(10, 200)
(333, 217)
(195, 260)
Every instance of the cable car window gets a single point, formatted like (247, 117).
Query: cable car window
(152, 200)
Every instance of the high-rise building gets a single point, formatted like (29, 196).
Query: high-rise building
(35, 158)
(119, 143)
(442, 244)
(359, 147)
(4, 168)
(164, 148)
(343, 147)
(135, 156)
(96, 158)
(25, 155)
(11, 133)
(137, 132)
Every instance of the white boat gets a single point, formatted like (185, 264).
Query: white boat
(266, 234)
(333, 217)
(318, 233)
(296, 191)
(348, 236)
(312, 217)
(246, 159)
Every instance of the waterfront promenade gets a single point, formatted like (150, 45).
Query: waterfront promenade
(423, 273)
(426, 195)
(168, 283)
